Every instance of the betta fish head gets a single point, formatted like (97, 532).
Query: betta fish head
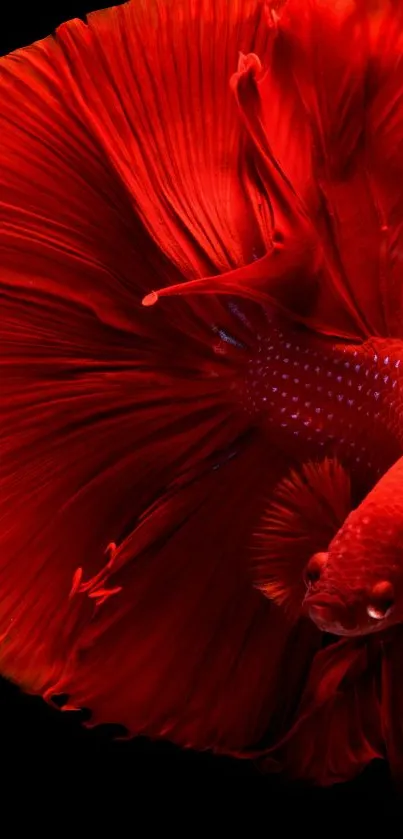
(356, 586)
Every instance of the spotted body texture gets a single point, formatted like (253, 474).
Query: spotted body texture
(320, 397)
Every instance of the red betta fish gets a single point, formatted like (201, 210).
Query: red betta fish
(234, 450)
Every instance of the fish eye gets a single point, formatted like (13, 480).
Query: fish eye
(314, 568)
(381, 600)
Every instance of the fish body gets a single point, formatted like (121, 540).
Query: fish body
(318, 397)
(194, 490)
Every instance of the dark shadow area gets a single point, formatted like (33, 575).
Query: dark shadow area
(31, 729)
(37, 20)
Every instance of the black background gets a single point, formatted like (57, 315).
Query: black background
(29, 728)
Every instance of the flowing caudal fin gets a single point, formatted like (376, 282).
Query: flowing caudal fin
(338, 727)
(327, 152)
(119, 432)
(185, 647)
(347, 63)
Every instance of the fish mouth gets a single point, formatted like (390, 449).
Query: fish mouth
(316, 599)
(329, 614)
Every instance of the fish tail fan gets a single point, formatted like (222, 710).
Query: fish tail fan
(346, 61)
(323, 119)
(129, 476)
(181, 644)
